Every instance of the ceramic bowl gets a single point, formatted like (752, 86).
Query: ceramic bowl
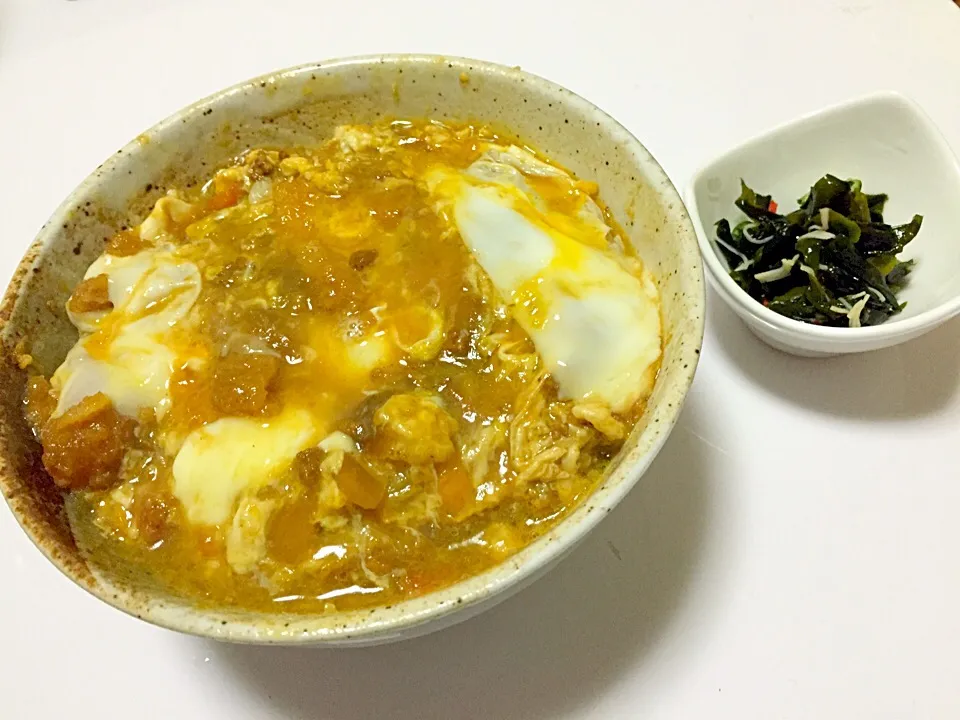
(302, 106)
(890, 144)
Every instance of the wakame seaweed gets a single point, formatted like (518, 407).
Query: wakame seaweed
(832, 261)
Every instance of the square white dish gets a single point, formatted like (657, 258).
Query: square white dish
(890, 144)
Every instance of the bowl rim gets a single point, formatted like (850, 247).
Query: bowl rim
(222, 623)
(745, 304)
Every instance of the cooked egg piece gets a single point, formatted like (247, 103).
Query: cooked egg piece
(516, 168)
(167, 211)
(246, 539)
(234, 456)
(595, 324)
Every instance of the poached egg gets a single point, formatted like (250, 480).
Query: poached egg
(594, 320)
(129, 353)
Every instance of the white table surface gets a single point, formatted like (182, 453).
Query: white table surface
(792, 553)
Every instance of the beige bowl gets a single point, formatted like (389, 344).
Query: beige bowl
(302, 106)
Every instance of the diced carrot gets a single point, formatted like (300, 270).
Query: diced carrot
(291, 536)
(772, 207)
(455, 488)
(418, 582)
(226, 193)
(209, 542)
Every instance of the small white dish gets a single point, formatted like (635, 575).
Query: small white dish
(890, 144)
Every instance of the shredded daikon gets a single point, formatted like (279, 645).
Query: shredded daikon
(853, 317)
(817, 235)
(786, 266)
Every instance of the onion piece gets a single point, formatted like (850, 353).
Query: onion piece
(260, 190)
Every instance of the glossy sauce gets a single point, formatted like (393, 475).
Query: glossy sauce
(343, 293)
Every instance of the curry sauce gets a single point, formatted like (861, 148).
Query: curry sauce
(298, 388)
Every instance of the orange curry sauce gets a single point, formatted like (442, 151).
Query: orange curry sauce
(465, 453)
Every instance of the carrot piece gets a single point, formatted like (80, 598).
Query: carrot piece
(227, 192)
(455, 488)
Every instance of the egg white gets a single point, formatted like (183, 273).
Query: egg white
(595, 324)
(128, 353)
(232, 456)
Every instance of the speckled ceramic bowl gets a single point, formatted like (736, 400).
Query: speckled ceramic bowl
(302, 106)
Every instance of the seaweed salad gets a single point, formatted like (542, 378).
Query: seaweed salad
(831, 262)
